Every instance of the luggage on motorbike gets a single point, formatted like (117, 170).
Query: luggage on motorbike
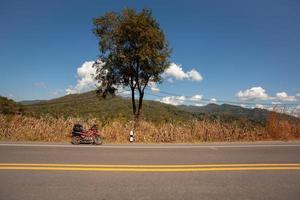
(94, 128)
(77, 129)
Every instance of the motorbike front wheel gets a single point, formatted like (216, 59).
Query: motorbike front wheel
(76, 140)
(97, 140)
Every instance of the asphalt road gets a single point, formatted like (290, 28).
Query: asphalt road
(210, 171)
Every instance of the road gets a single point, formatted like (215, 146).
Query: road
(262, 170)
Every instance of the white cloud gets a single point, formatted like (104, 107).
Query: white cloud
(181, 98)
(259, 93)
(194, 75)
(282, 96)
(196, 97)
(213, 100)
(153, 87)
(298, 95)
(254, 93)
(87, 82)
(176, 71)
(276, 103)
(173, 100)
(270, 108)
(86, 78)
(70, 91)
(259, 106)
(124, 92)
(178, 100)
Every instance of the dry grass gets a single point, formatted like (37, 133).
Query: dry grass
(282, 128)
(24, 128)
(198, 131)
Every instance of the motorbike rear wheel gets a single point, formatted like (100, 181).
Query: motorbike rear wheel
(76, 140)
(97, 140)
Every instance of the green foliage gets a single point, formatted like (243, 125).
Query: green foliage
(133, 51)
(8, 106)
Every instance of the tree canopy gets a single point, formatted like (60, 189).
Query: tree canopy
(133, 52)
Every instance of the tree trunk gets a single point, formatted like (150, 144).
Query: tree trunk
(140, 104)
(138, 111)
(133, 101)
(134, 111)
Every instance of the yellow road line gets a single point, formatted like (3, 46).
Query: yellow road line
(149, 169)
(154, 166)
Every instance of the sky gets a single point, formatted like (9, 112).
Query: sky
(240, 51)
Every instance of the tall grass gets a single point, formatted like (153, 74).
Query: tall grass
(282, 128)
(25, 128)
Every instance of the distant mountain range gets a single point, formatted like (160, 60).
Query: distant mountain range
(89, 105)
(31, 102)
(229, 110)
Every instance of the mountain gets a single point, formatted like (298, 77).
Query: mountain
(229, 110)
(89, 105)
(30, 102)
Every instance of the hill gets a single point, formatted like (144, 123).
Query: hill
(229, 110)
(30, 102)
(89, 105)
(9, 106)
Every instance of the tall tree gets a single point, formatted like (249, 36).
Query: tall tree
(133, 52)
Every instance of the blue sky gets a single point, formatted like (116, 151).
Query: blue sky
(247, 46)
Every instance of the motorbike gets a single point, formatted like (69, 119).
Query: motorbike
(81, 136)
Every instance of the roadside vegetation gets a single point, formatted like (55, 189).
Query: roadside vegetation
(50, 129)
(53, 121)
(280, 127)
(47, 128)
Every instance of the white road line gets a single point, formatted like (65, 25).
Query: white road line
(215, 147)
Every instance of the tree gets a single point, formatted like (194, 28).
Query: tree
(133, 52)
(8, 106)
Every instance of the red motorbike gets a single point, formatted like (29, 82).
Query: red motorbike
(81, 136)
